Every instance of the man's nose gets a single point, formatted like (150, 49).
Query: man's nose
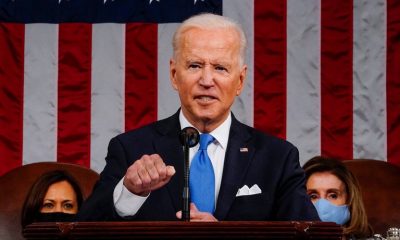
(207, 78)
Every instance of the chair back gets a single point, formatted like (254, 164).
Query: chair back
(15, 185)
(380, 187)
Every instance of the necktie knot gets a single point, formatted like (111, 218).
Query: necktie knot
(205, 140)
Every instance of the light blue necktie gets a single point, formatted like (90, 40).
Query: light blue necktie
(201, 178)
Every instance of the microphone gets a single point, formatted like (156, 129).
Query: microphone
(189, 137)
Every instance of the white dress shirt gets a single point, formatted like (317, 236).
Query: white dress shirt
(127, 203)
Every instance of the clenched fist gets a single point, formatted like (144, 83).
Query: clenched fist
(147, 174)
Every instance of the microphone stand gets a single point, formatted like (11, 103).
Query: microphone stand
(186, 195)
(189, 137)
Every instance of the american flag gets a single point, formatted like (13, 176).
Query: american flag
(323, 74)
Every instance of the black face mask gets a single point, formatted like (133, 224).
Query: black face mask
(55, 217)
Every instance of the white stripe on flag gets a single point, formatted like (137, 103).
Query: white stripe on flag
(243, 13)
(303, 77)
(369, 84)
(108, 89)
(40, 93)
(168, 99)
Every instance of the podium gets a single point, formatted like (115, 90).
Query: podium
(184, 230)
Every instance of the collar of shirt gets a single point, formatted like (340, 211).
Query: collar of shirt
(216, 150)
(221, 133)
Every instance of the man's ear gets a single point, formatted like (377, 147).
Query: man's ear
(172, 73)
(242, 78)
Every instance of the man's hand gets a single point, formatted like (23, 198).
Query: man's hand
(197, 216)
(147, 174)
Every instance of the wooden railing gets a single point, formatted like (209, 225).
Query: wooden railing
(184, 230)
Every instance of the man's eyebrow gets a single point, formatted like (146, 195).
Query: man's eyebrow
(221, 63)
(193, 60)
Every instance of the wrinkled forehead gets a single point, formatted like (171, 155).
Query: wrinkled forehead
(214, 42)
(213, 32)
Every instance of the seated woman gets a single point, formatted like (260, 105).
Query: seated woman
(336, 195)
(55, 196)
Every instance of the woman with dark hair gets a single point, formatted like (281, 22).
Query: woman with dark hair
(55, 196)
(336, 195)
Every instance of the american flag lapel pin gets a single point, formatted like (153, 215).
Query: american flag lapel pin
(244, 149)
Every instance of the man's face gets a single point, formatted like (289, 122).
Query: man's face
(207, 75)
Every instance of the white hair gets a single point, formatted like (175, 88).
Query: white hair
(209, 21)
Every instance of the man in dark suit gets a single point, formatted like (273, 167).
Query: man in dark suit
(256, 176)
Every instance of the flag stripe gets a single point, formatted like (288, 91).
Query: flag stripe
(108, 89)
(369, 79)
(393, 81)
(40, 93)
(11, 94)
(303, 77)
(168, 99)
(74, 93)
(141, 75)
(270, 67)
(243, 13)
(336, 78)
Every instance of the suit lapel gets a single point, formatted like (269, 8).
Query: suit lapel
(170, 150)
(237, 159)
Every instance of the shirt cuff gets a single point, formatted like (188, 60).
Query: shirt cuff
(126, 203)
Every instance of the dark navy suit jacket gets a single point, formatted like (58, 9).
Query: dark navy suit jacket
(269, 162)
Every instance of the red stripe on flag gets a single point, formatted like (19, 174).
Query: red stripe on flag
(140, 75)
(74, 93)
(393, 81)
(11, 95)
(337, 78)
(270, 66)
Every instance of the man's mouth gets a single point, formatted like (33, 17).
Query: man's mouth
(205, 99)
